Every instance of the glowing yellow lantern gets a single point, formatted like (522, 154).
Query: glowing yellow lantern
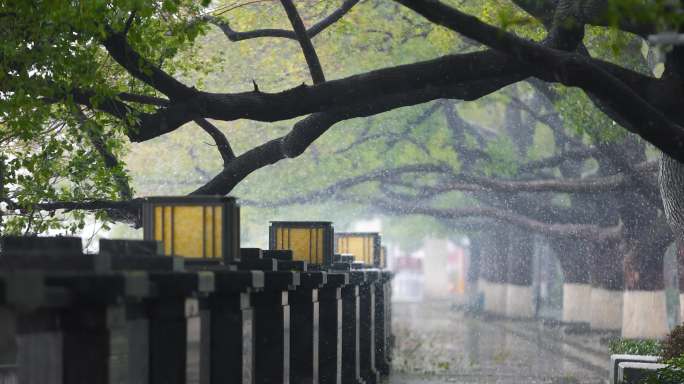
(365, 246)
(194, 226)
(310, 241)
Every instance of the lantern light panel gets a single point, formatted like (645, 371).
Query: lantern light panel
(194, 226)
(310, 241)
(365, 246)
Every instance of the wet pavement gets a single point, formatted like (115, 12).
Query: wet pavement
(435, 344)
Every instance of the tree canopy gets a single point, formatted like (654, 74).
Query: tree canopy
(214, 92)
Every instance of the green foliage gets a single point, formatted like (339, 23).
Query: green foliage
(48, 50)
(672, 373)
(581, 117)
(635, 347)
(661, 13)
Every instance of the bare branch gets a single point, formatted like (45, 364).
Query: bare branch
(317, 28)
(304, 41)
(220, 139)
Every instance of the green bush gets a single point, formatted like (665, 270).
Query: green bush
(673, 345)
(673, 373)
(635, 347)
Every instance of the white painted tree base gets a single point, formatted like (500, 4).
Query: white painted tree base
(644, 315)
(681, 308)
(494, 297)
(576, 303)
(519, 301)
(606, 309)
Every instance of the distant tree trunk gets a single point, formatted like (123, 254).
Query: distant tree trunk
(647, 237)
(645, 310)
(607, 285)
(494, 268)
(680, 271)
(473, 267)
(520, 298)
(574, 260)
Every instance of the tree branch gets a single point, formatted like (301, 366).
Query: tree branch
(110, 161)
(309, 129)
(142, 69)
(304, 41)
(567, 68)
(220, 139)
(317, 28)
(578, 231)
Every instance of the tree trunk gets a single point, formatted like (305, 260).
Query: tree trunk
(520, 299)
(473, 274)
(671, 183)
(494, 268)
(572, 255)
(680, 270)
(607, 285)
(645, 311)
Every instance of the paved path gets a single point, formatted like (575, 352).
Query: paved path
(438, 345)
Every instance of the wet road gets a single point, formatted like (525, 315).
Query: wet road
(438, 345)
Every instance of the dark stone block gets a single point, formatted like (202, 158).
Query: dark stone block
(286, 265)
(175, 323)
(278, 254)
(257, 264)
(39, 348)
(251, 254)
(95, 345)
(138, 325)
(359, 265)
(351, 373)
(55, 261)
(232, 342)
(367, 333)
(337, 279)
(227, 282)
(131, 247)
(281, 280)
(102, 289)
(271, 337)
(340, 267)
(122, 262)
(201, 264)
(312, 280)
(22, 245)
(381, 359)
(330, 336)
(304, 336)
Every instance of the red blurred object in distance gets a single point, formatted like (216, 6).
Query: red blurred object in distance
(408, 263)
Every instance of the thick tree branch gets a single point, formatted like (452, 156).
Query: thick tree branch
(478, 74)
(304, 41)
(130, 207)
(567, 68)
(309, 129)
(142, 69)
